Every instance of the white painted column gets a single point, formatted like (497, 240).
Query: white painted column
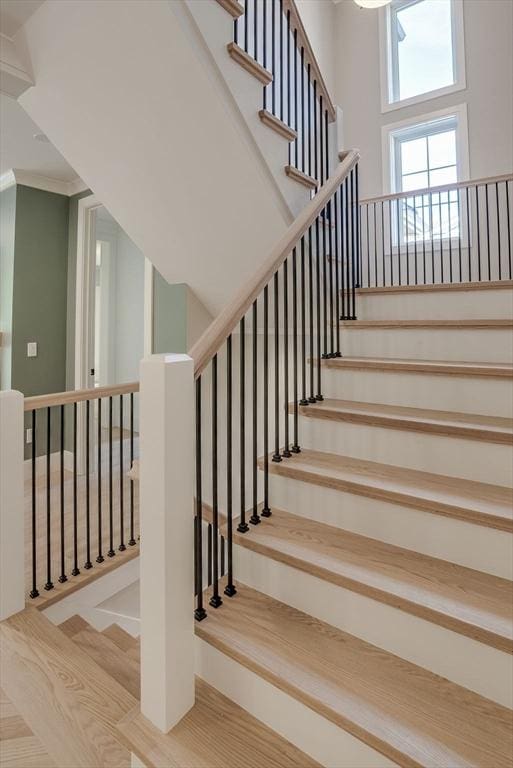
(12, 551)
(167, 538)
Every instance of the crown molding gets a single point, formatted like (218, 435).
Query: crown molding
(45, 183)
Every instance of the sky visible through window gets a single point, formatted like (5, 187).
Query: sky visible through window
(424, 47)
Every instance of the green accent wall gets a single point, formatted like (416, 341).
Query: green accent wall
(39, 291)
(169, 315)
(7, 228)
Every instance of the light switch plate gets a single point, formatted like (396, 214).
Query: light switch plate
(32, 349)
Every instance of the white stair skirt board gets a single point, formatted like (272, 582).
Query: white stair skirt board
(473, 546)
(472, 394)
(324, 741)
(469, 663)
(476, 344)
(444, 304)
(470, 459)
(86, 602)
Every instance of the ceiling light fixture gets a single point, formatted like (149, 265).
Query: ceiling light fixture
(372, 3)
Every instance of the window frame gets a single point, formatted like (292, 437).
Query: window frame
(392, 131)
(388, 60)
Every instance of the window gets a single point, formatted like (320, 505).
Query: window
(422, 52)
(430, 153)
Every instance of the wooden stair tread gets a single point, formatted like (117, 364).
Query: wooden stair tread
(497, 370)
(495, 429)
(273, 122)
(65, 698)
(233, 7)
(405, 712)
(216, 733)
(248, 63)
(303, 178)
(122, 668)
(455, 324)
(466, 601)
(73, 625)
(120, 637)
(476, 502)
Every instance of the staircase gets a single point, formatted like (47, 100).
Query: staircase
(377, 598)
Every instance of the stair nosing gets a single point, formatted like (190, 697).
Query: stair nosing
(432, 426)
(467, 323)
(402, 498)
(425, 367)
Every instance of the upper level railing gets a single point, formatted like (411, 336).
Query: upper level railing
(452, 233)
(83, 506)
(288, 315)
(272, 33)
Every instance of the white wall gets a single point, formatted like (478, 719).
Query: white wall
(489, 74)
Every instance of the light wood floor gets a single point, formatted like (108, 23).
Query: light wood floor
(70, 700)
(46, 597)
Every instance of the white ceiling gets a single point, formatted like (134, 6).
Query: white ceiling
(19, 150)
(14, 13)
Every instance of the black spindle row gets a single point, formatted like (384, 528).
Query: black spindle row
(68, 526)
(271, 32)
(457, 233)
(277, 362)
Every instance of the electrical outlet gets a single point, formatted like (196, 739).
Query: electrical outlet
(28, 435)
(32, 349)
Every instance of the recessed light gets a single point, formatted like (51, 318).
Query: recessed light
(41, 137)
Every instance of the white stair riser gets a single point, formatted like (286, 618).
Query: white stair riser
(442, 305)
(473, 546)
(315, 735)
(478, 395)
(467, 662)
(472, 345)
(454, 456)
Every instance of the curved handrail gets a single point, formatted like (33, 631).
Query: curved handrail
(441, 188)
(77, 395)
(224, 324)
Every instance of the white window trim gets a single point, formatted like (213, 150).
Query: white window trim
(462, 154)
(460, 83)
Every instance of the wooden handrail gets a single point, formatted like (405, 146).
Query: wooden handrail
(211, 341)
(303, 41)
(435, 190)
(78, 395)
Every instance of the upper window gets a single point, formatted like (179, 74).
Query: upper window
(423, 51)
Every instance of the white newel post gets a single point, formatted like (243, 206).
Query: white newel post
(12, 552)
(167, 538)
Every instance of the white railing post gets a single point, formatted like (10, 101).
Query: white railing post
(167, 538)
(12, 552)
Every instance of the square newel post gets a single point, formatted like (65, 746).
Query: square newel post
(167, 538)
(12, 554)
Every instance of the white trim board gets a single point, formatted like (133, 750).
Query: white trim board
(44, 183)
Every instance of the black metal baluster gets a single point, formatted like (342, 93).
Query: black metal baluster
(276, 454)
(359, 231)
(375, 246)
(303, 162)
(423, 241)
(243, 527)
(324, 287)
(478, 236)
(264, 51)
(469, 249)
(498, 229)
(209, 555)
(509, 228)
(286, 448)
(309, 121)
(459, 234)
(131, 541)
(346, 313)
(266, 511)
(336, 213)
(111, 551)
(273, 55)
(327, 146)
(390, 243)
(246, 22)
(255, 28)
(311, 398)
(331, 281)
(488, 233)
(295, 446)
(449, 222)
(100, 557)
(441, 235)
(382, 236)
(368, 242)
(122, 546)
(415, 239)
(88, 564)
(62, 577)
(236, 31)
(354, 205)
(215, 600)
(289, 85)
(303, 400)
(200, 612)
(76, 569)
(348, 256)
(222, 552)
(321, 141)
(296, 105)
(399, 232)
(316, 148)
(49, 583)
(229, 590)
(282, 115)
(254, 519)
(318, 396)
(407, 236)
(34, 591)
